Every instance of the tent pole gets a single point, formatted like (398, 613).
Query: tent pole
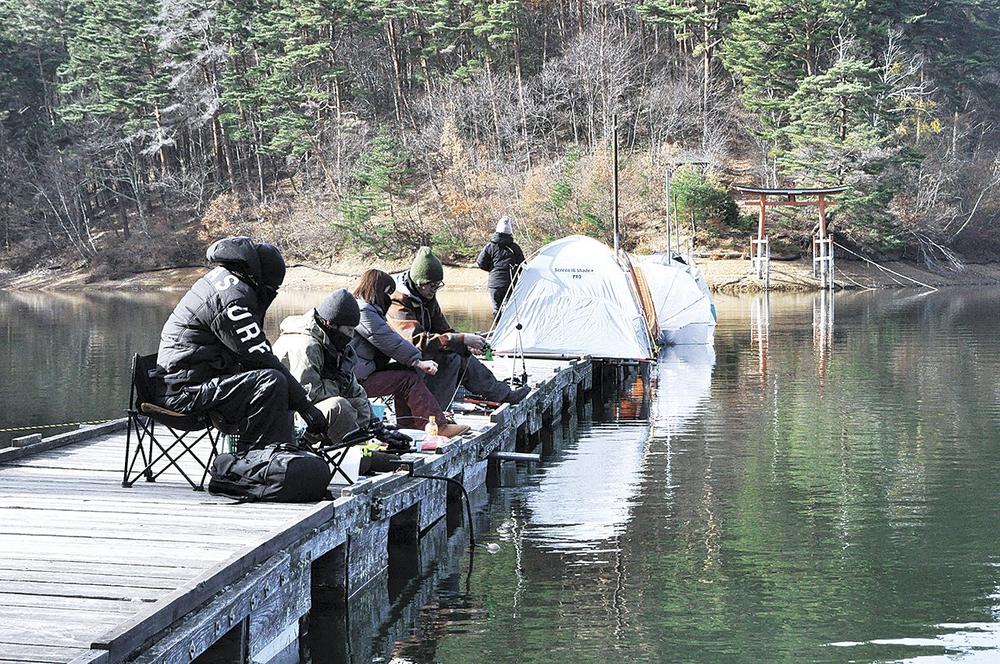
(667, 187)
(615, 186)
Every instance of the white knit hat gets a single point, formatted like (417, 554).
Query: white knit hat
(505, 225)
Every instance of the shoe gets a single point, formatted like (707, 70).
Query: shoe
(517, 396)
(452, 430)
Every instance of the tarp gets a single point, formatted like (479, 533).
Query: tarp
(573, 299)
(684, 310)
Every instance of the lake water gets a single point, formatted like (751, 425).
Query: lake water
(66, 357)
(823, 489)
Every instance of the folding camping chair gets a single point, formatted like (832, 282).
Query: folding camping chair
(336, 453)
(143, 416)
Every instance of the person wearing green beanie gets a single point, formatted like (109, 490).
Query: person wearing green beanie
(416, 315)
(426, 267)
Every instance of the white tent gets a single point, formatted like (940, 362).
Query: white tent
(574, 299)
(683, 304)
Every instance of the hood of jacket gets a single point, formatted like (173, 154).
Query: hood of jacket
(237, 254)
(305, 324)
(405, 288)
(502, 238)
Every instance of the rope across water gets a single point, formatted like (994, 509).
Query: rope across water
(54, 426)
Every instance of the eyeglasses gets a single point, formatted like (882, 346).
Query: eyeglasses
(434, 285)
(390, 289)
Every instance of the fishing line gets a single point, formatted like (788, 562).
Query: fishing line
(54, 426)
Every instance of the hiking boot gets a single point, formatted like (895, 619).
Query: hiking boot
(517, 396)
(452, 430)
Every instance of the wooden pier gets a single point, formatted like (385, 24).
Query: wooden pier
(93, 573)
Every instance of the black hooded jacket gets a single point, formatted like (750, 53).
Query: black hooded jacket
(217, 328)
(500, 257)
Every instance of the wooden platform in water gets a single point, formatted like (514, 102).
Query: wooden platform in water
(93, 572)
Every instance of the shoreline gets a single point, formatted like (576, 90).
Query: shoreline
(729, 276)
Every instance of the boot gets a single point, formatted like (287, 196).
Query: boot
(452, 430)
(517, 396)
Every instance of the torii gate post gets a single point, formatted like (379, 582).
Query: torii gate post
(822, 245)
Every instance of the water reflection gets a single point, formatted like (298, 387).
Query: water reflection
(65, 357)
(821, 493)
(825, 493)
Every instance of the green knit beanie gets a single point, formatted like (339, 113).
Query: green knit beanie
(426, 267)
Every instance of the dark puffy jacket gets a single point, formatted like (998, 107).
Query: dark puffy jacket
(375, 343)
(500, 257)
(217, 328)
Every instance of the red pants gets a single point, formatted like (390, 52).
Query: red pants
(413, 401)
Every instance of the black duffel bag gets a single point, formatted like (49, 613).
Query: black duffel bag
(277, 473)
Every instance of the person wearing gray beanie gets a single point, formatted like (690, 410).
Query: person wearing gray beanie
(315, 346)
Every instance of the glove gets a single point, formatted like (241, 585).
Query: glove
(429, 367)
(474, 342)
(315, 420)
(395, 440)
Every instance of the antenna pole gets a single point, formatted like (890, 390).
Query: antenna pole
(666, 186)
(615, 169)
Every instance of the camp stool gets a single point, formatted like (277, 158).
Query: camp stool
(155, 451)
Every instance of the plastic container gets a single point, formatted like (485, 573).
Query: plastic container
(431, 443)
(432, 428)
(351, 465)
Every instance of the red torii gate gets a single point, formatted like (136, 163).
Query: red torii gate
(760, 249)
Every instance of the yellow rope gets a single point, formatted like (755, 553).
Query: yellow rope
(53, 426)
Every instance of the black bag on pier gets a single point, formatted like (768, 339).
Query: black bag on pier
(277, 473)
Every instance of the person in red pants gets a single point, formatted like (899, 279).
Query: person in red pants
(385, 363)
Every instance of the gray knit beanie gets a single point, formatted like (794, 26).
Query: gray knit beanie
(426, 267)
(339, 308)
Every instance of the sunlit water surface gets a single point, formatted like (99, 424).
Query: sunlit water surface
(821, 488)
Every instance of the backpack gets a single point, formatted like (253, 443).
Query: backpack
(279, 473)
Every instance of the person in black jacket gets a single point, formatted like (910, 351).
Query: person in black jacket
(500, 257)
(215, 357)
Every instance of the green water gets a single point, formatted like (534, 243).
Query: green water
(817, 496)
(65, 357)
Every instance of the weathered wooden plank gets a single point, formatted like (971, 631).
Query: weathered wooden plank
(39, 562)
(125, 638)
(237, 522)
(201, 628)
(29, 653)
(11, 600)
(258, 511)
(61, 440)
(107, 550)
(277, 611)
(54, 627)
(91, 657)
(150, 534)
(69, 575)
(91, 591)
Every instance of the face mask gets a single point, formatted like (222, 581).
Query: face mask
(339, 337)
(267, 295)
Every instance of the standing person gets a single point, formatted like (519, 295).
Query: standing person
(416, 315)
(316, 348)
(388, 364)
(214, 356)
(501, 257)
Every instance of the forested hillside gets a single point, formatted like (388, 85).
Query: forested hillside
(133, 130)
